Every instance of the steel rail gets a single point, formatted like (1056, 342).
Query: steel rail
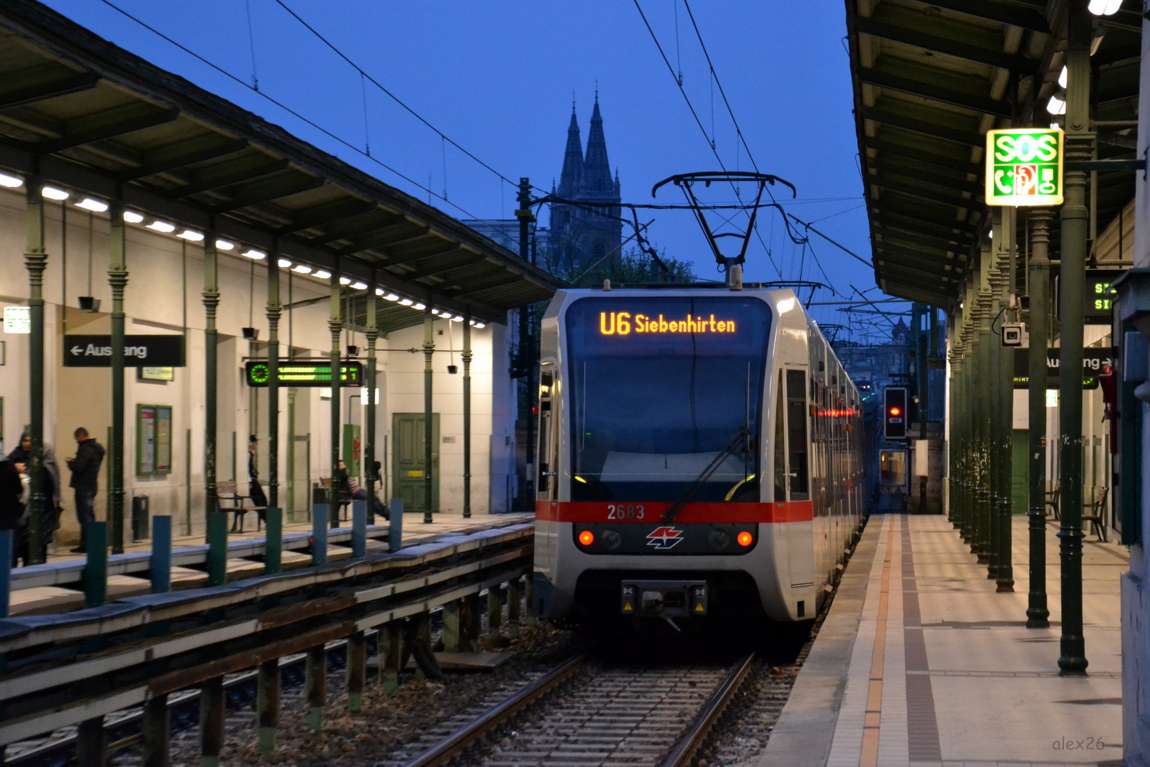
(459, 740)
(684, 749)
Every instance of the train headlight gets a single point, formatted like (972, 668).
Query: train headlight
(719, 540)
(586, 537)
(745, 539)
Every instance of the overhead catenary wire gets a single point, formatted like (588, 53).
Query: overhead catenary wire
(344, 142)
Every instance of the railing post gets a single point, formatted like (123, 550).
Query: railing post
(469, 624)
(5, 571)
(358, 529)
(494, 610)
(161, 554)
(389, 657)
(268, 704)
(273, 550)
(395, 526)
(451, 613)
(217, 549)
(96, 568)
(319, 534)
(91, 740)
(514, 601)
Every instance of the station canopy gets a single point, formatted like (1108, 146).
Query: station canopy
(930, 79)
(97, 120)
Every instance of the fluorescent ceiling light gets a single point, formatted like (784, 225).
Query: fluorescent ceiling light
(52, 193)
(132, 217)
(480, 325)
(93, 205)
(1104, 7)
(379, 291)
(283, 263)
(1056, 106)
(391, 297)
(406, 301)
(435, 311)
(257, 255)
(190, 235)
(322, 274)
(301, 269)
(344, 281)
(12, 182)
(359, 286)
(419, 307)
(457, 318)
(161, 226)
(224, 245)
(1062, 77)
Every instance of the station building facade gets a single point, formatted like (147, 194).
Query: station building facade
(163, 297)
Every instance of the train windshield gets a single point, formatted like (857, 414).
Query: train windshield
(663, 391)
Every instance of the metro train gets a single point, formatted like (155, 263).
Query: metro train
(699, 456)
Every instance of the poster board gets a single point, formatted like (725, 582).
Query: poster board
(153, 440)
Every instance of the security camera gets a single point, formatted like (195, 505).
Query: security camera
(1012, 335)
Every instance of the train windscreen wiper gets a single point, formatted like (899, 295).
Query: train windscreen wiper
(742, 435)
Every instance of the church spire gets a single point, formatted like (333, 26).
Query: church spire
(571, 179)
(596, 168)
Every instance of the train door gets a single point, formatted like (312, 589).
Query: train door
(547, 463)
(800, 538)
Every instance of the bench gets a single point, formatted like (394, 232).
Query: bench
(1093, 510)
(344, 498)
(1053, 496)
(229, 501)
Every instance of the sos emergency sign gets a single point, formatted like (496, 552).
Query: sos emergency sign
(1024, 166)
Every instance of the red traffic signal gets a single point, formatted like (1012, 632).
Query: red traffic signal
(894, 418)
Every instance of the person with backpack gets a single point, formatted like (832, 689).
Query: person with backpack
(85, 466)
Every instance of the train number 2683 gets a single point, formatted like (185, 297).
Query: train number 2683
(624, 511)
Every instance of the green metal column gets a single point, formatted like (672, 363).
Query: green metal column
(1004, 397)
(1075, 230)
(428, 353)
(118, 280)
(273, 313)
(983, 392)
(211, 298)
(467, 418)
(335, 325)
(372, 333)
(1037, 612)
(36, 260)
(291, 478)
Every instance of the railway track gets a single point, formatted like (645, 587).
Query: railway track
(588, 713)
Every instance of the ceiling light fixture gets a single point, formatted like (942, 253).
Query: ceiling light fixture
(406, 301)
(1104, 7)
(301, 269)
(322, 274)
(52, 193)
(132, 217)
(391, 297)
(359, 286)
(190, 235)
(283, 263)
(161, 226)
(11, 182)
(344, 281)
(224, 245)
(93, 205)
(1056, 106)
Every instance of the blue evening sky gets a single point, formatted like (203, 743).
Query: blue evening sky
(497, 77)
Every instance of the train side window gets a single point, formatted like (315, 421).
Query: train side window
(780, 445)
(545, 458)
(797, 418)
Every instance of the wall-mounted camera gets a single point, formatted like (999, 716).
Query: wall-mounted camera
(1012, 335)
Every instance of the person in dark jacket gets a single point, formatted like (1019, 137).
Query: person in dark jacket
(85, 478)
(49, 485)
(11, 507)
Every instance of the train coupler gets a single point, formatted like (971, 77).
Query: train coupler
(664, 599)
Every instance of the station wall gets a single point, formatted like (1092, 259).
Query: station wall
(163, 296)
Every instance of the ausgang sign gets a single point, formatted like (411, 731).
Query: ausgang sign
(1024, 166)
(139, 351)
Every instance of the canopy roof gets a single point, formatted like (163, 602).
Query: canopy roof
(89, 116)
(930, 79)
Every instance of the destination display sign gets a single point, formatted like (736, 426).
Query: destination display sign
(1099, 295)
(91, 351)
(301, 373)
(1095, 362)
(1024, 166)
(625, 323)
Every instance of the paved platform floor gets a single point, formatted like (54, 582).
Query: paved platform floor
(920, 662)
(53, 599)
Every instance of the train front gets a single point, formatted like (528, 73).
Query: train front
(650, 457)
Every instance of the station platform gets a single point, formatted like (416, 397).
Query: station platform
(920, 662)
(41, 600)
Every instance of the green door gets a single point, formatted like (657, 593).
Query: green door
(407, 460)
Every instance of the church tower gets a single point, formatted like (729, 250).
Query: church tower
(588, 231)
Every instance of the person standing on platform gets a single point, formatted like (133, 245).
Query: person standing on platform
(11, 504)
(85, 468)
(21, 457)
(255, 491)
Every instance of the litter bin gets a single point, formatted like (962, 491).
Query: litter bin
(140, 518)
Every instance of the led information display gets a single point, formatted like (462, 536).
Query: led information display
(625, 323)
(1099, 295)
(304, 373)
(1024, 166)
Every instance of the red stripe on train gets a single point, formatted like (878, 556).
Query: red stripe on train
(596, 511)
